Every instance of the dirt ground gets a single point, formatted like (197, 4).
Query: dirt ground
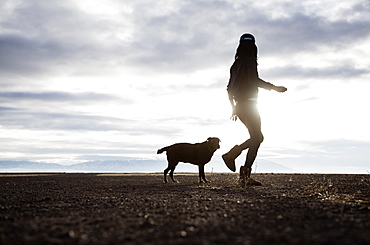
(141, 209)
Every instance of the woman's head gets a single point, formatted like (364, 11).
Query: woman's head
(247, 37)
(247, 47)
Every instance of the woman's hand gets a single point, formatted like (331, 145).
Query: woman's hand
(234, 117)
(280, 89)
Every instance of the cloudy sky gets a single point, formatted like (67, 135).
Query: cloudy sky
(113, 80)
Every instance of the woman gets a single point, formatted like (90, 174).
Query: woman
(243, 93)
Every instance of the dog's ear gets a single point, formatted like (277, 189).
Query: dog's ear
(210, 138)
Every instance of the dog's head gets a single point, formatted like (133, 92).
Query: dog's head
(213, 143)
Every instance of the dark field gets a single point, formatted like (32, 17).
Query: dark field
(141, 209)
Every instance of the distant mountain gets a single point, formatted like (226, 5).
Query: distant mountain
(216, 165)
(120, 166)
(94, 166)
(26, 165)
(265, 166)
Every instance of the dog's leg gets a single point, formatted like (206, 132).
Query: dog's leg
(171, 172)
(165, 174)
(202, 176)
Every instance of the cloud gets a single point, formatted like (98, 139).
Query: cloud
(183, 36)
(50, 37)
(56, 96)
(309, 33)
(338, 71)
(331, 156)
(344, 152)
(305, 27)
(44, 121)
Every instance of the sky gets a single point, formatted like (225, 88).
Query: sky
(93, 80)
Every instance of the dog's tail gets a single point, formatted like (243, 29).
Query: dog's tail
(162, 150)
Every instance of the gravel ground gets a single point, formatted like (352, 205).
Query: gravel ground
(141, 209)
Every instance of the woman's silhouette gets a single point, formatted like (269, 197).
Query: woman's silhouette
(243, 93)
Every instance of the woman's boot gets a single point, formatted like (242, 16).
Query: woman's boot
(229, 158)
(243, 176)
(249, 180)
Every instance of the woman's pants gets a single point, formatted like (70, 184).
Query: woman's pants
(250, 117)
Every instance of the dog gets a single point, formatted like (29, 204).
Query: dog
(198, 154)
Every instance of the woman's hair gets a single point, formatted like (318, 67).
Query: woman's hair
(246, 49)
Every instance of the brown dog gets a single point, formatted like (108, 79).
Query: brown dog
(198, 154)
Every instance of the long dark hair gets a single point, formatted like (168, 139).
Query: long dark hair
(246, 49)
